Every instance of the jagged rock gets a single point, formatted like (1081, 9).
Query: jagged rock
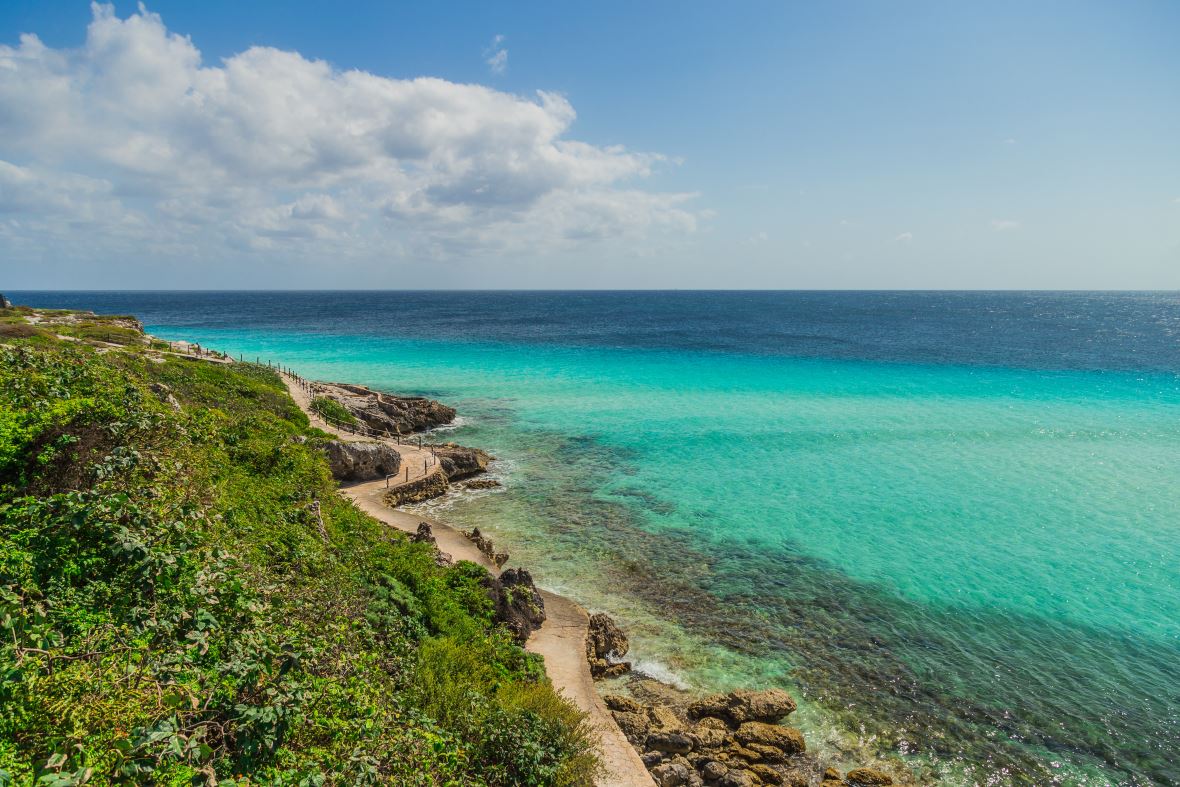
(617, 702)
(424, 534)
(4, 302)
(481, 483)
(737, 777)
(385, 412)
(605, 644)
(741, 706)
(742, 753)
(665, 719)
(670, 742)
(757, 736)
(709, 737)
(519, 605)
(633, 725)
(832, 775)
(485, 545)
(651, 759)
(361, 461)
(713, 770)
(766, 774)
(867, 777)
(672, 774)
(461, 462)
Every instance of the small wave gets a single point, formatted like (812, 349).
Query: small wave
(458, 423)
(659, 671)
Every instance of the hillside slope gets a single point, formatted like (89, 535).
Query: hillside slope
(184, 598)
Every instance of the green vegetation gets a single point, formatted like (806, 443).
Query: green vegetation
(332, 410)
(173, 611)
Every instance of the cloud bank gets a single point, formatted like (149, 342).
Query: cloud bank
(131, 143)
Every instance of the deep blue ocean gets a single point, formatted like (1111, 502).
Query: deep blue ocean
(948, 522)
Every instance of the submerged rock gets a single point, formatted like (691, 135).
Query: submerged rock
(361, 461)
(867, 777)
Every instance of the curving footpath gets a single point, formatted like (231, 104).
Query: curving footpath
(561, 640)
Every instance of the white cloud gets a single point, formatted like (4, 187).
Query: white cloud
(757, 239)
(1005, 225)
(904, 237)
(497, 56)
(1010, 141)
(135, 136)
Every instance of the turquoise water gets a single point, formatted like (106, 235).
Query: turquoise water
(971, 568)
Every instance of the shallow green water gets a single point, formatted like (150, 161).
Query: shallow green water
(973, 565)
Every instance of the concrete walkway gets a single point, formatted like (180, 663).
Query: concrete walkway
(561, 640)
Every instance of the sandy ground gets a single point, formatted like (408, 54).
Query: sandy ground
(561, 640)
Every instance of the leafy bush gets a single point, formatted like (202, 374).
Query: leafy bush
(333, 411)
(171, 613)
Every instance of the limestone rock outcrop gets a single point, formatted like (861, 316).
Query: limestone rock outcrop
(460, 461)
(606, 644)
(361, 461)
(386, 413)
(738, 707)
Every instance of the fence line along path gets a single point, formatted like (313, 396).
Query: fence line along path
(417, 462)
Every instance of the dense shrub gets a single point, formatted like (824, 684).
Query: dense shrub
(333, 411)
(170, 611)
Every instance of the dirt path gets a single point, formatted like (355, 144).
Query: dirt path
(561, 640)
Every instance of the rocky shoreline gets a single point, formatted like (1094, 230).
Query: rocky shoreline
(737, 739)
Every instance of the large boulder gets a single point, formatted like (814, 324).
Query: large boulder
(670, 742)
(519, 605)
(633, 725)
(672, 774)
(605, 645)
(361, 461)
(738, 707)
(766, 739)
(460, 461)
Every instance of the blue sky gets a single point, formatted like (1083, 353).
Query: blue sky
(836, 144)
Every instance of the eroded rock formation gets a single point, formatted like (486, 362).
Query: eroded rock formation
(460, 461)
(606, 644)
(361, 461)
(397, 415)
(725, 740)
